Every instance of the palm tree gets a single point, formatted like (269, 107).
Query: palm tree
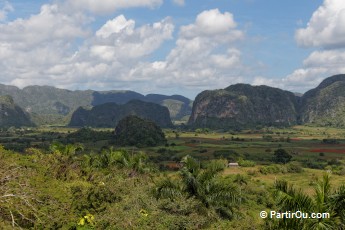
(64, 157)
(137, 163)
(337, 201)
(68, 150)
(202, 184)
(324, 201)
(240, 180)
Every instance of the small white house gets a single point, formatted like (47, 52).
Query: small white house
(233, 164)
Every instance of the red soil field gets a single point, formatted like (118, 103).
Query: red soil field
(328, 150)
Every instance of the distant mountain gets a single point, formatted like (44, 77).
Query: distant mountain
(179, 106)
(109, 114)
(325, 105)
(237, 106)
(11, 114)
(243, 105)
(50, 105)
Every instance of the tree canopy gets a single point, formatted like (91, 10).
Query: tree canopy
(282, 156)
(135, 131)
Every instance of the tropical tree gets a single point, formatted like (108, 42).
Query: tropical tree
(281, 156)
(202, 184)
(68, 150)
(65, 165)
(135, 162)
(324, 201)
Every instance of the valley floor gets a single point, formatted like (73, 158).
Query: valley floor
(50, 179)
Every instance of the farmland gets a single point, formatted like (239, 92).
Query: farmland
(85, 174)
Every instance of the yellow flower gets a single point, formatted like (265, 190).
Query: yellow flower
(81, 222)
(143, 212)
(89, 218)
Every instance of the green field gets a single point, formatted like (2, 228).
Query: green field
(62, 180)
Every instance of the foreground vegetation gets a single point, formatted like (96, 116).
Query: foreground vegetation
(82, 182)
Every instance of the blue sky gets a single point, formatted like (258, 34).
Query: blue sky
(171, 46)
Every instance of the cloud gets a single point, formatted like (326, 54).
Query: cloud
(57, 47)
(31, 46)
(116, 26)
(105, 59)
(316, 67)
(6, 8)
(326, 27)
(108, 6)
(211, 23)
(119, 39)
(179, 2)
(325, 32)
(203, 58)
(49, 25)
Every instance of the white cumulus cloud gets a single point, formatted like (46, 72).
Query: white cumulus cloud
(326, 26)
(116, 26)
(43, 49)
(58, 47)
(210, 23)
(325, 32)
(107, 6)
(203, 57)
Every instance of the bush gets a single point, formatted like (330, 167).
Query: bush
(227, 154)
(281, 156)
(246, 163)
(271, 169)
(294, 167)
(340, 171)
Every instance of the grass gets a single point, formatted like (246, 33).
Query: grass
(304, 180)
(135, 192)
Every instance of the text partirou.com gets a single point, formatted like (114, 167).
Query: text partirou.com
(292, 215)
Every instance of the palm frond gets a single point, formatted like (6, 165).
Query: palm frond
(288, 198)
(167, 189)
(322, 192)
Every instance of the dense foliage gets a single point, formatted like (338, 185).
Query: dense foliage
(281, 156)
(325, 200)
(203, 185)
(66, 187)
(55, 182)
(135, 131)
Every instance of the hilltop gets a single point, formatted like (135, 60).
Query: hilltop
(50, 105)
(11, 114)
(109, 114)
(246, 106)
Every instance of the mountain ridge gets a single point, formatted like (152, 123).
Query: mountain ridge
(109, 114)
(247, 106)
(236, 106)
(51, 105)
(11, 114)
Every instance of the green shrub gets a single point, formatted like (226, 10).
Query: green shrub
(246, 163)
(294, 167)
(271, 169)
